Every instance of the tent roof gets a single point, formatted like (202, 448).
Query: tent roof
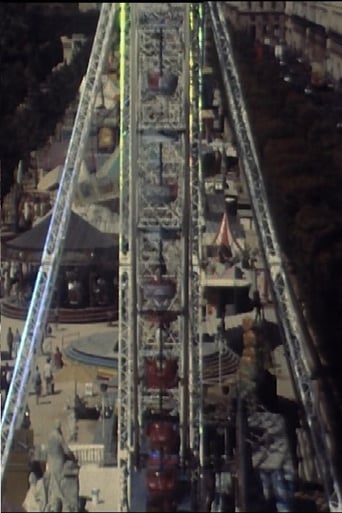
(80, 236)
(111, 167)
(223, 236)
(51, 179)
(55, 155)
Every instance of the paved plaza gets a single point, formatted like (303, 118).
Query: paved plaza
(98, 339)
(54, 406)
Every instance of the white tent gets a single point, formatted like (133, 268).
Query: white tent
(51, 179)
(224, 237)
(84, 175)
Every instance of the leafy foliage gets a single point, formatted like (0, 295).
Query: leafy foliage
(301, 159)
(30, 47)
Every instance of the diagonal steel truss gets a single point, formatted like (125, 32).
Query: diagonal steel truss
(294, 338)
(44, 286)
(195, 345)
(125, 273)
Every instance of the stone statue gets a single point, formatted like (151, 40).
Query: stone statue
(36, 495)
(62, 474)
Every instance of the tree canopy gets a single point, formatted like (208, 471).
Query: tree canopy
(301, 159)
(30, 47)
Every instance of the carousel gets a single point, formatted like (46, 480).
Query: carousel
(86, 286)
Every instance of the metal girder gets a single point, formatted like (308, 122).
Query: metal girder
(125, 358)
(195, 243)
(294, 339)
(36, 319)
(157, 41)
(138, 254)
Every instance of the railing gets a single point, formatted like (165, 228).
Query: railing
(88, 453)
(10, 308)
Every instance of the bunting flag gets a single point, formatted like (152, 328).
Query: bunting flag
(224, 236)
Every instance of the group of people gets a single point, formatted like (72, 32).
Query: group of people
(52, 363)
(6, 378)
(13, 342)
(17, 280)
(48, 376)
(30, 209)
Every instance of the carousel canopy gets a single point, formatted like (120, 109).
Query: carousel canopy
(54, 156)
(224, 236)
(81, 236)
(51, 180)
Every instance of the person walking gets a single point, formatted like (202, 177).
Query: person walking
(48, 330)
(48, 376)
(16, 344)
(38, 384)
(10, 339)
(58, 359)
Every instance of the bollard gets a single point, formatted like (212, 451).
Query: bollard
(95, 495)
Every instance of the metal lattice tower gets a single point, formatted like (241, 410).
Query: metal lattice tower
(125, 268)
(44, 287)
(294, 338)
(196, 230)
(159, 217)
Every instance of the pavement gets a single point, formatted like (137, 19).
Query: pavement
(73, 377)
(104, 479)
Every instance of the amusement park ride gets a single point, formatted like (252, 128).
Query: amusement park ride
(160, 399)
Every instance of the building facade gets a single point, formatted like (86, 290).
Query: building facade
(71, 45)
(262, 20)
(315, 30)
(89, 6)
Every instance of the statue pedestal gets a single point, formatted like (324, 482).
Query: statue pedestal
(70, 486)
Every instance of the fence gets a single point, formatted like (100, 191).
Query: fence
(88, 453)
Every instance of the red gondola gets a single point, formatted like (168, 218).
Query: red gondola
(162, 374)
(160, 290)
(160, 317)
(165, 83)
(161, 194)
(161, 505)
(162, 435)
(157, 459)
(161, 482)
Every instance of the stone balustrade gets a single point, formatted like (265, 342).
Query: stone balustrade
(88, 453)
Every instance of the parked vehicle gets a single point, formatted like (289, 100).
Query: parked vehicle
(84, 411)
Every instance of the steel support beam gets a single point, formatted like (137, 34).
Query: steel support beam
(125, 363)
(43, 291)
(294, 338)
